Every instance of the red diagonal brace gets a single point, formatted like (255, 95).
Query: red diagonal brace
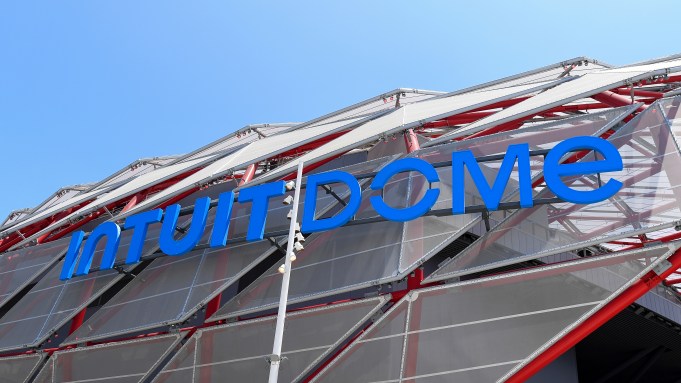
(607, 312)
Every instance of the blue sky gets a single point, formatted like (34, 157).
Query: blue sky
(87, 87)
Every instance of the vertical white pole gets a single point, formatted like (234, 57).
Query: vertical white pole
(283, 297)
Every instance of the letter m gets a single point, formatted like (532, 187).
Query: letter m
(491, 195)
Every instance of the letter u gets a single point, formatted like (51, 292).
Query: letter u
(167, 242)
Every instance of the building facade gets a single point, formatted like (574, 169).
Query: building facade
(555, 292)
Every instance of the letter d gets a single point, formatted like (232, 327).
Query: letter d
(310, 224)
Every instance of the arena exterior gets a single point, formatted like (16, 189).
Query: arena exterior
(553, 291)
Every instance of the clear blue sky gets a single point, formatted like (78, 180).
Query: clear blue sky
(86, 87)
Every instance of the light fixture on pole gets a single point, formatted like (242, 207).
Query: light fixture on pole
(285, 269)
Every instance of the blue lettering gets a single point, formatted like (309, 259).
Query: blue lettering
(409, 213)
(491, 196)
(167, 241)
(310, 224)
(140, 224)
(554, 170)
(259, 196)
(108, 230)
(71, 255)
(218, 237)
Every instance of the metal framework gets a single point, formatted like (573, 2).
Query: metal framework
(636, 107)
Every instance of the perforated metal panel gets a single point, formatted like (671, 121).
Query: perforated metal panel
(51, 303)
(19, 268)
(19, 369)
(486, 328)
(236, 352)
(122, 362)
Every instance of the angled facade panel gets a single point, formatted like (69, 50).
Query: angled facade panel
(492, 325)
(51, 303)
(123, 362)
(19, 268)
(237, 351)
(19, 369)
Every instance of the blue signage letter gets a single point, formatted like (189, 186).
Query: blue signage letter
(491, 196)
(409, 213)
(112, 233)
(218, 237)
(167, 241)
(259, 197)
(140, 223)
(310, 224)
(71, 255)
(554, 170)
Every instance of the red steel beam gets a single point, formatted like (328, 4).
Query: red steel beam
(411, 141)
(615, 100)
(638, 93)
(672, 281)
(607, 312)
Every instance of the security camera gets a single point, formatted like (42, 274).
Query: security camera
(290, 185)
(298, 246)
(288, 200)
(300, 237)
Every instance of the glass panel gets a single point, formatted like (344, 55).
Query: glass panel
(212, 354)
(490, 325)
(648, 202)
(52, 302)
(19, 268)
(19, 369)
(114, 362)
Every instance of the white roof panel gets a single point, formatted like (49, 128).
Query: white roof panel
(136, 184)
(408, 116)
(56, 209)
(584, 86)
(254, 152)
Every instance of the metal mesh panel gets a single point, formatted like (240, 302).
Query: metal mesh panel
(648, 201)
(52, 302)
(18, 268)
(122, 362)
(19, 369)
(486, 327)
(238, 350)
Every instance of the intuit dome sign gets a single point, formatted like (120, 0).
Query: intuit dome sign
(557, 170)
(480, 235)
